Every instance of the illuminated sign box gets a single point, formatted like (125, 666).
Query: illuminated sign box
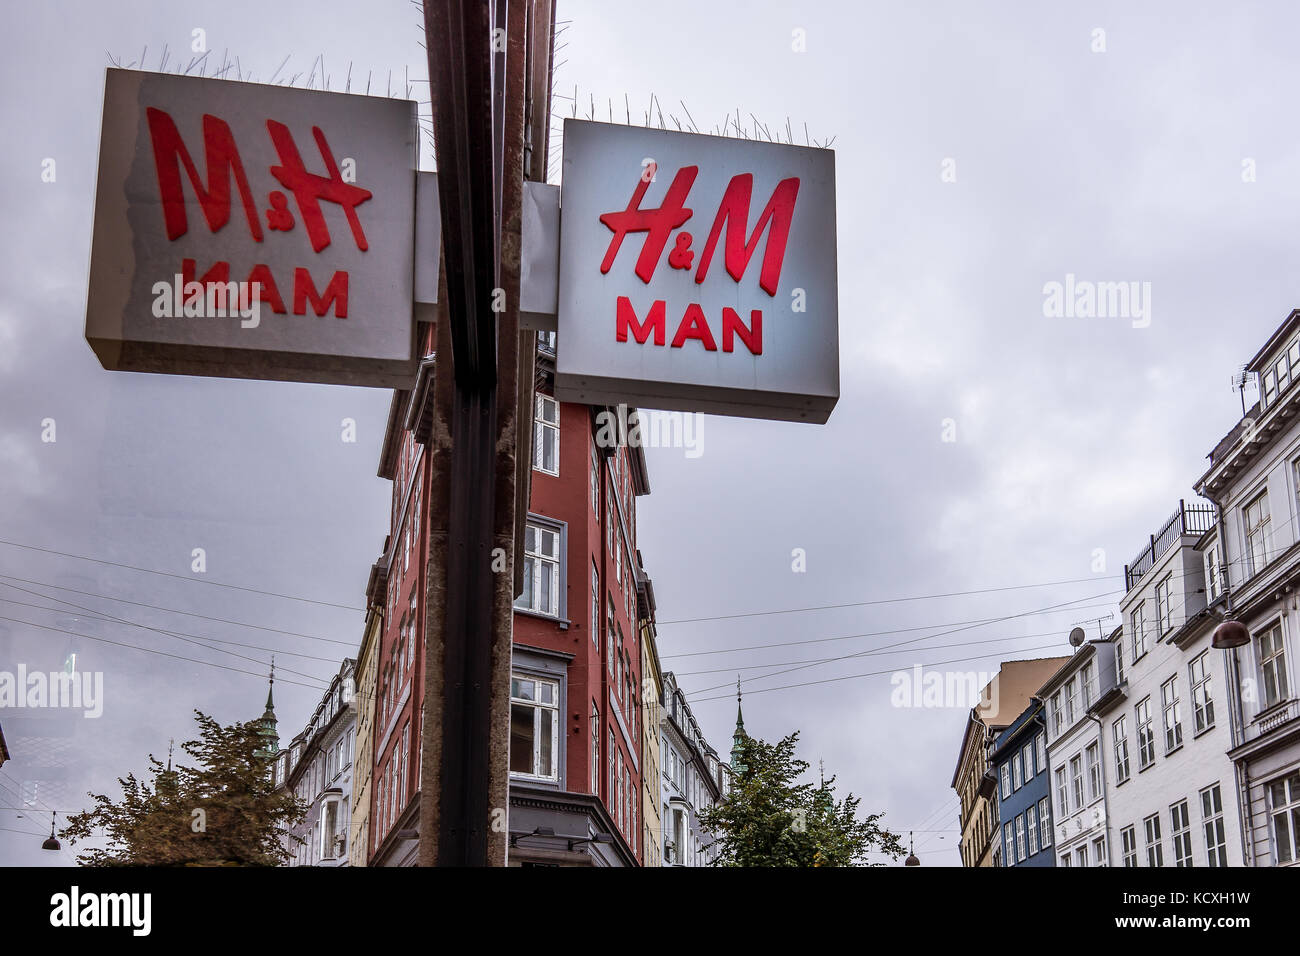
(697, 273)
(252, 231)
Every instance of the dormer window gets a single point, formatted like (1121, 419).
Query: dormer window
(1280, 375)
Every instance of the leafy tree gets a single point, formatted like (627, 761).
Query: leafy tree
(224, 811)
(770, 819)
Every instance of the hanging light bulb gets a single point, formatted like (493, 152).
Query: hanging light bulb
(51, 843)
(911, 857)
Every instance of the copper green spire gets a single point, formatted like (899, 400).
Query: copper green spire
(267, 724)
(739, 736)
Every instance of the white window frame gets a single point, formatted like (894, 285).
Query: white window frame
(546, 434)
(1171, 714)
(1076, 780)
(1164, 611)
(1119, 732)
(1146, 735)
(1200, 680)
(1284, 817)
(1138, 627)
(1256, 530)
(1092, 764)
(1129, 845)
(1180, 830)
(534, 559)
(1045, 823)
(1273, 678)
(1212, 828)
(539, 706)
(1213, 571)
(1154, 847)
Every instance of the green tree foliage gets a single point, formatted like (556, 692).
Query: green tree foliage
(770, 819)
(222, 811)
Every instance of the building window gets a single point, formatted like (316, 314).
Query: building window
(1216, 844)
(1146, 736)
(1006, 780)
(1137, 624)
(1284, 806)
(1119, 661)
(1070, 691)
(1155, 852)
(1099, 851)
(1031, 826)
(1062, 794)
(1213, 581)
(1054, 711)
(1028, 756)
(1015, 771)
(1093, 758)
(1198, 672)
(1129, 845)
(1089, 684)
(595, 750)
(595, 604)
(546, 435)
(1256, 519)
(1181, 830)
(595, 481)
(541, 570)
(1065, 859)
(332, 831)
(1272, 665)
(1119, 730)
(1044, 823)
(1020, 839)
(1172, 714)
(1076, 780)
(1008, 837)
(534, 727)
(1041, 742)
(1081, 856)
(1164, 613)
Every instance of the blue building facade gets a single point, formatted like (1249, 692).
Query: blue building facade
(1019, 762)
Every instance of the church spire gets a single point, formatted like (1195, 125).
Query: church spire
(739, 736)
(267, 724)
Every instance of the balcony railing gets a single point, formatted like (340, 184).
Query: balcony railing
(1273, 719)
(1188, 519)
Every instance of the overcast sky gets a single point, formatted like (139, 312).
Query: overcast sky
(1072, 434)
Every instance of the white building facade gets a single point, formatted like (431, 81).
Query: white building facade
(1074, 755)
(317, 766)
(1253, 562)
(1167, 729)
(693, 780)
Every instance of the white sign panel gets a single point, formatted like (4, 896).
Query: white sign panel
(251, 231)
(697, 273)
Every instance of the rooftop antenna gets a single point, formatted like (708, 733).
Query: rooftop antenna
(1240, 379)
(1079, 633)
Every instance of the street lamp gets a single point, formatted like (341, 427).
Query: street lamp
(1230, 634)
(51, 843)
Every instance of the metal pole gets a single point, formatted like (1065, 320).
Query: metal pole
(477, 61)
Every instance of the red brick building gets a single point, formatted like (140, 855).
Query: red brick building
(576, 689)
